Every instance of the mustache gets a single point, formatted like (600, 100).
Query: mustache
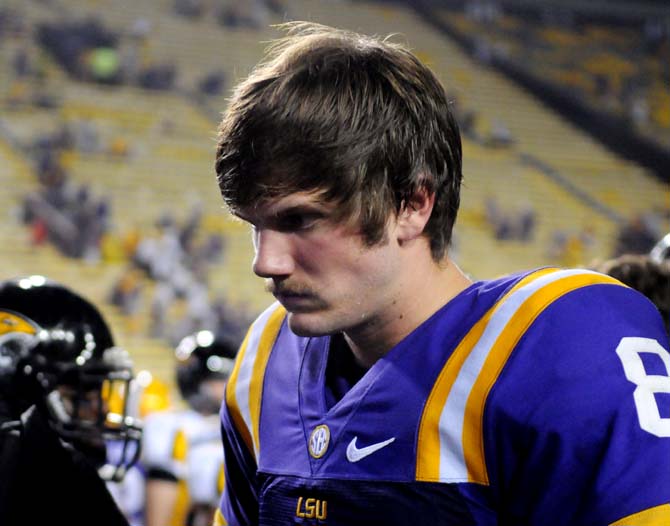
(289, 289)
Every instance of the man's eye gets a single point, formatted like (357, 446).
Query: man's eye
(294, 222)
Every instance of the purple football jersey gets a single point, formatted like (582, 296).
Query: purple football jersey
(536, 399)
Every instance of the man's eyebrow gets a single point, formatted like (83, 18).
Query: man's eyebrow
(299, 208)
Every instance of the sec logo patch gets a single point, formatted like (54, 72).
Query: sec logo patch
(318, 441)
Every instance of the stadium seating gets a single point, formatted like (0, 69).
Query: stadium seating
(609, 67)
(156, 152)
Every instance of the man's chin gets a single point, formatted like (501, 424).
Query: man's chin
(309, 324)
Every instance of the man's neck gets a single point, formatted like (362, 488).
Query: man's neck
(418, 297)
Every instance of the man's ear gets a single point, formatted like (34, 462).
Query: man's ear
(414, 215)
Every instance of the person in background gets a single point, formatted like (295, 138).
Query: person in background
(129, 493)
(642, 273)
(203, 363)
(206, 475)
(384, 386)
(65, 389)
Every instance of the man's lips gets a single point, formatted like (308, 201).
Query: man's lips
(295, 301)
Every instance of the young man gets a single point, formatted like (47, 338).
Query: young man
(385, 387)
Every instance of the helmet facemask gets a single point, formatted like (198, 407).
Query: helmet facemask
(57, 354)
(94, 406)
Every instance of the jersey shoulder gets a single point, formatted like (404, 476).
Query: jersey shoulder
(502, 329)
(244, 390)
(577, 379)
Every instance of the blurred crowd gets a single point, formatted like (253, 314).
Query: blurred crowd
(616, 64)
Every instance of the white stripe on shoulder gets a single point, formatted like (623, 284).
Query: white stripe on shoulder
(247, 366)
(452, 457)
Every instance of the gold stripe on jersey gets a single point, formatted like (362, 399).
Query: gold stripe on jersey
(473, 435)
(656, 516)
(182, 500)
(428, 443)
(221, 479)
(180, 446)
(219, 519)
(231, 398)
(475, 366)
(244, 388)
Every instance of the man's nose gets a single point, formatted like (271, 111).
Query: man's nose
(273, 254)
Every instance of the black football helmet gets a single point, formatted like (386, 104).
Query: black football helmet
(57, 353)
(200, 357)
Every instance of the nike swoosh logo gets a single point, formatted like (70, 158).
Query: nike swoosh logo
(355, 454)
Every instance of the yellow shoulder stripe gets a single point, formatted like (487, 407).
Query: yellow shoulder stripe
(450, 446)
(180, 446)
(231, 399)
(219, 519)
(221, 479)
(245, 386)
(428, 446)
(656, 516)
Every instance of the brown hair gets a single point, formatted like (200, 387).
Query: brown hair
(358, 120)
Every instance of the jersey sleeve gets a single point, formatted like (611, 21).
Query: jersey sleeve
(162, 450)
(579, 419)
